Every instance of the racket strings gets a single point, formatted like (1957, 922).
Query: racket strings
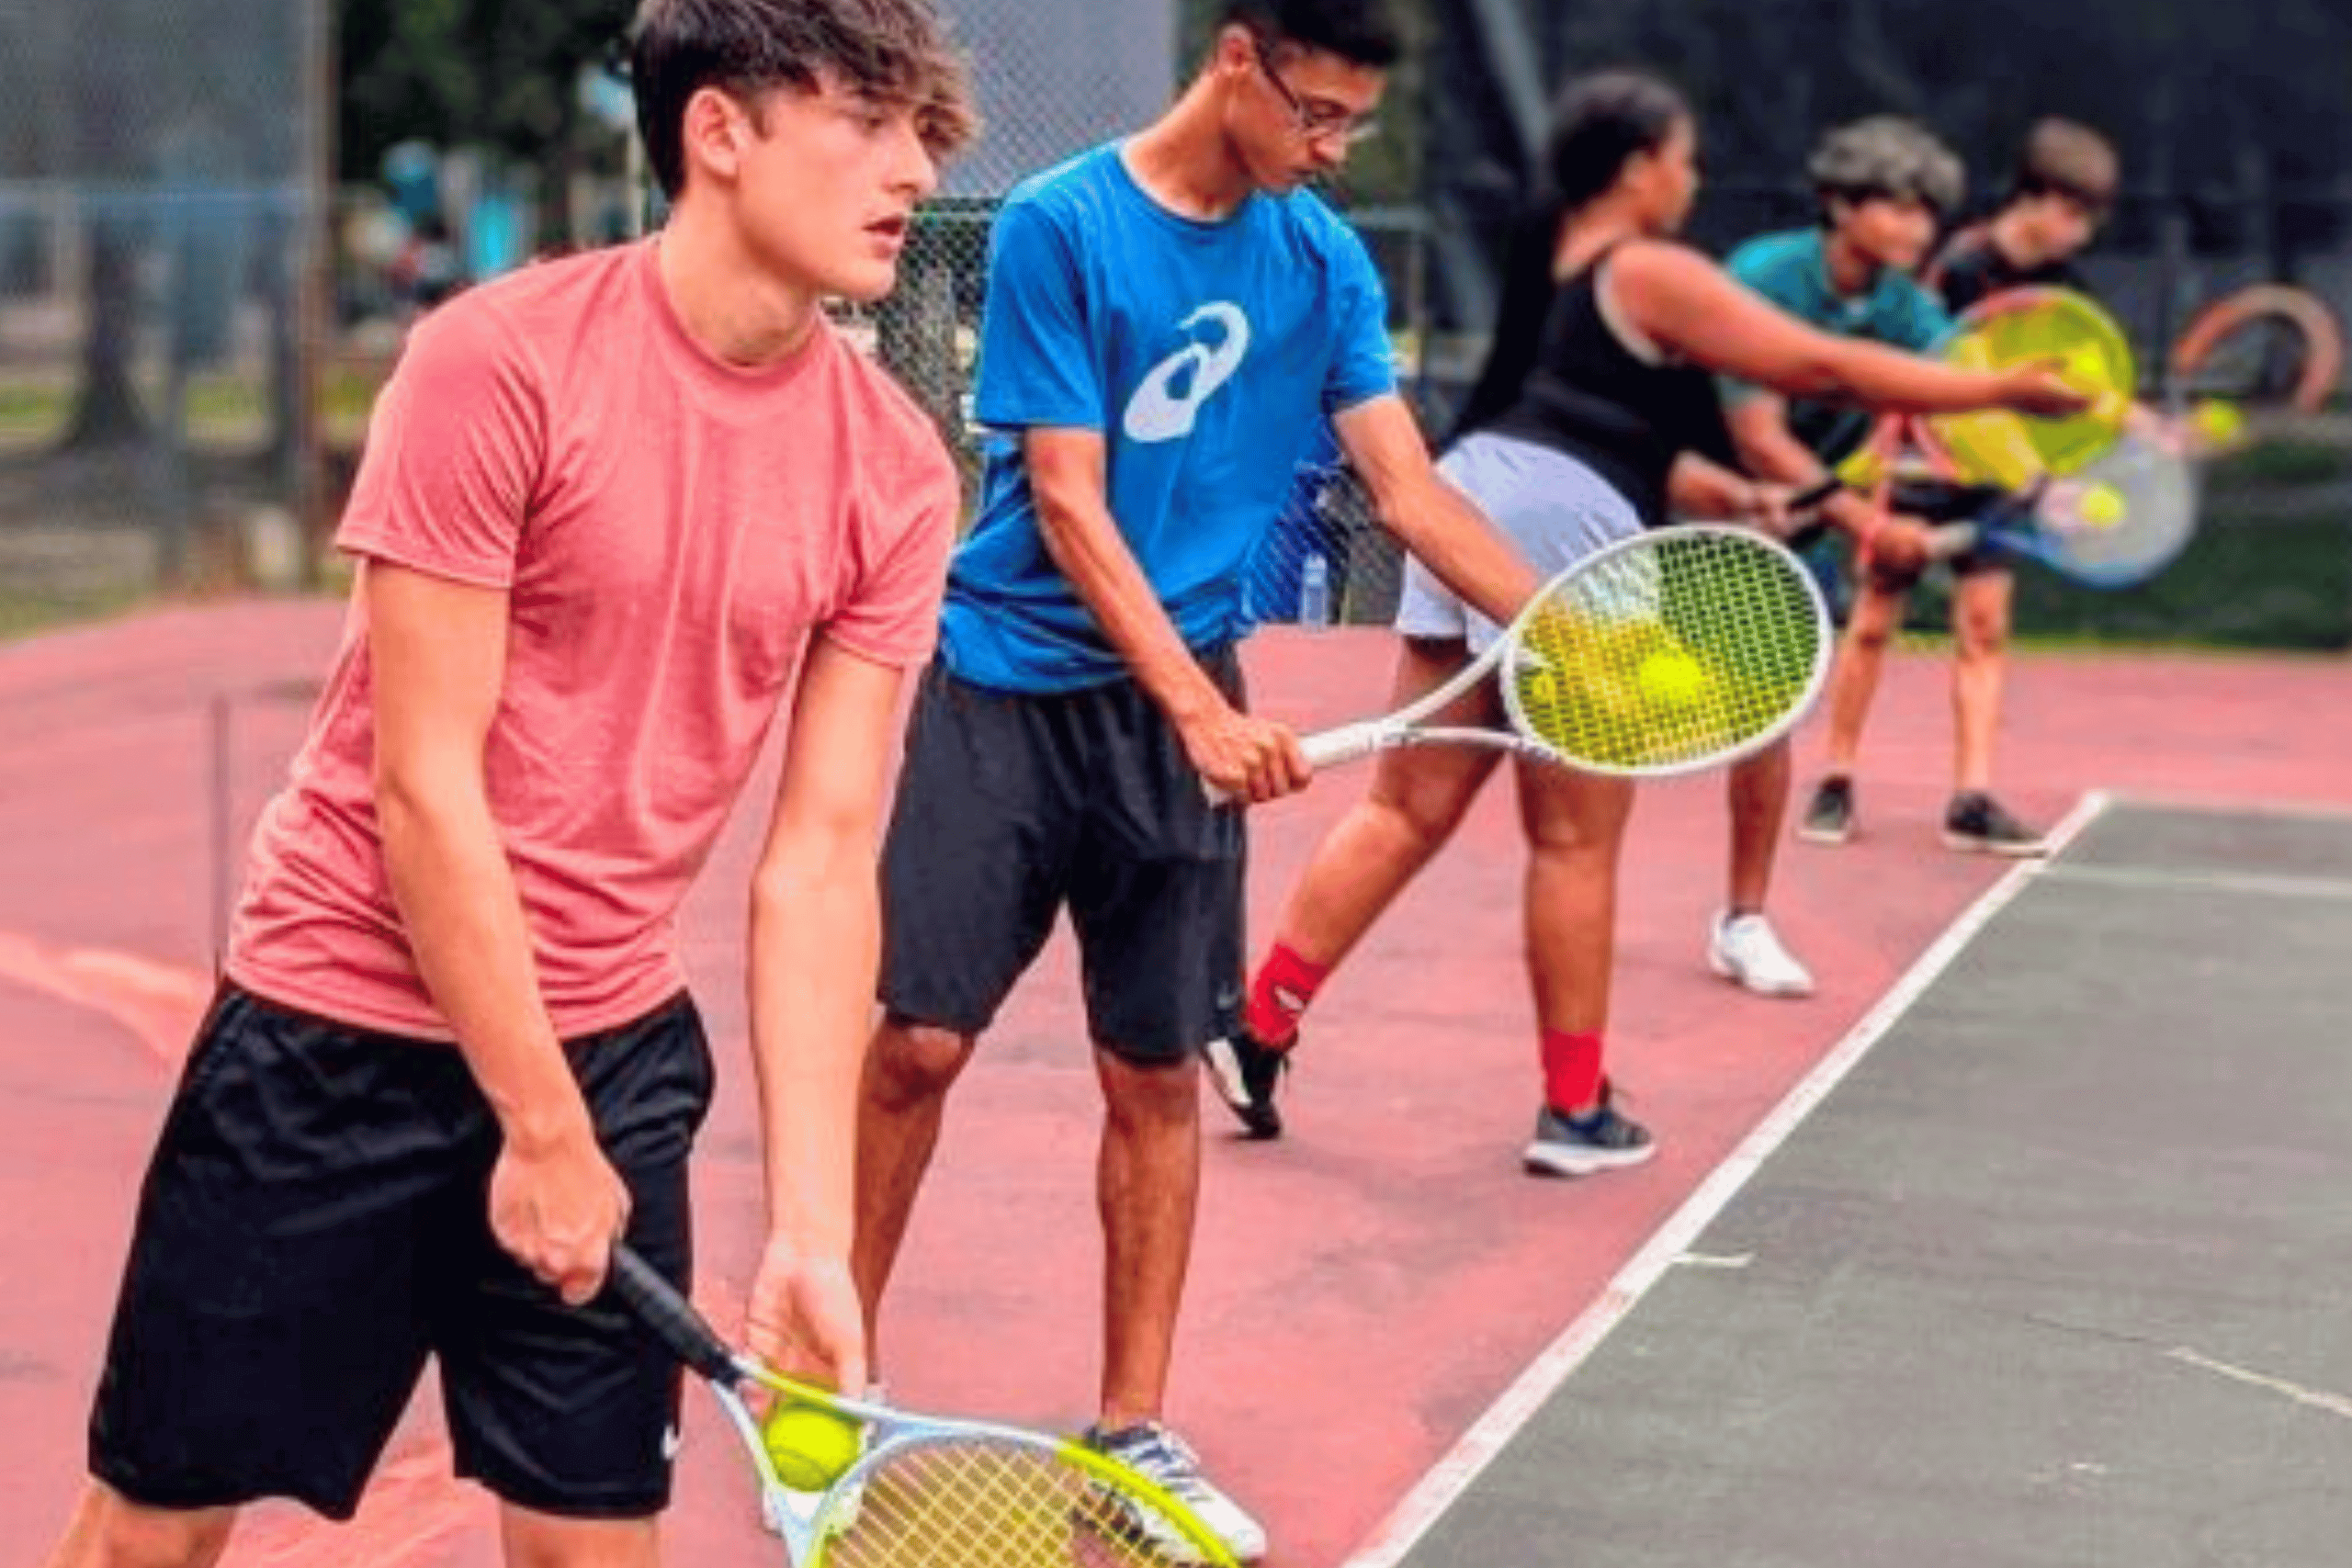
(992, 1504)
(1694, 645)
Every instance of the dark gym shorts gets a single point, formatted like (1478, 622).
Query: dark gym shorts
(315, 1224)
(1013, 805)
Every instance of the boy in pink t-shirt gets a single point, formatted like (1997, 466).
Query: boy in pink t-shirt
(617, 513)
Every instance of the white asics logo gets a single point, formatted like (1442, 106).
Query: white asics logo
(1165, 407)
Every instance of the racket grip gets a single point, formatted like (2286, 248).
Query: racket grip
(1349, 743)
(1951, 539)
(669, 1315)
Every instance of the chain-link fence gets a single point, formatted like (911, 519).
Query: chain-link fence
(157, 165)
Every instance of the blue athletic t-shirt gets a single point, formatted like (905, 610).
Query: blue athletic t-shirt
(1790, 270)
(1206, 353)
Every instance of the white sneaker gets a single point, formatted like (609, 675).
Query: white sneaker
(1160, 1456)
(1745, 949)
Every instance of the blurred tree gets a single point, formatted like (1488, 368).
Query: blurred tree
(494, 73)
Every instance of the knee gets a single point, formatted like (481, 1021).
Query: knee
(1980, 634)
(540, 1540)
(130, 1536)
(1870, 634)
(1137, 1095)
(911, 1063)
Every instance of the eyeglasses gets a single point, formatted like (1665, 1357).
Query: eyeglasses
(1318, 121)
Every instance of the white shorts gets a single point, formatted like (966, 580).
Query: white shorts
(1553, 507)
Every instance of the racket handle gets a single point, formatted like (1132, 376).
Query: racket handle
(1349, 743)
(669, 1315)
(1951, 539)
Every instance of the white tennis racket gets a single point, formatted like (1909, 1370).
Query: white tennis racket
(926, 1492)
(1676, 649)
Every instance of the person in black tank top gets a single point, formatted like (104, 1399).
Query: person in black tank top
(1596, 414)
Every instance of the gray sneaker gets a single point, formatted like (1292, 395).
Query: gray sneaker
(1603, 1139)
(1829, 816)
(1161, 1456)
(1976, 823)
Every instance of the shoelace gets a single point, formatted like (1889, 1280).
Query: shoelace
(1167, 1460)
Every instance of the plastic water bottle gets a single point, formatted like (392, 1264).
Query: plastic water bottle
(1315, 592)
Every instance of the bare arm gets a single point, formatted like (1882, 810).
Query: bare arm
(1759, 426)
(1242, 757)
(1436, 522)
(816, 940)
(438, 652)
(1698, 312)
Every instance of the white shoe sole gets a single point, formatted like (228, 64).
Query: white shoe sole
(1824, 835)
(1225, 1073)
(1792, 989)
(1549, 1160)
(1966, 845)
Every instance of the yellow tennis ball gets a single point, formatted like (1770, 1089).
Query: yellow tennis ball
(2102, 506)
(1672, 679)
(2218, 420)
(809, 1445)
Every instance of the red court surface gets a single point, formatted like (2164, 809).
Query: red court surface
(1361, 1289)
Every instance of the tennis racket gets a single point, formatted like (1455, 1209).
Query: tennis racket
(927, 1493)
(1998, 448)
(1669, 651)
(2118, 521)
(2248, 359)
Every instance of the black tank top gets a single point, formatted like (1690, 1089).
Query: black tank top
(1589, 395)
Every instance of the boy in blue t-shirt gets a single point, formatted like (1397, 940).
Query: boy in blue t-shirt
(1168, 321)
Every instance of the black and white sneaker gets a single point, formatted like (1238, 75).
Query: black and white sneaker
(1246, 1072)
(1829, 816)
(1603, 1139)
(1161, 1456)
(1976, 823)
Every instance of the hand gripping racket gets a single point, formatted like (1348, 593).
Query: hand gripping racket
(1673, 650)
(928, 1493)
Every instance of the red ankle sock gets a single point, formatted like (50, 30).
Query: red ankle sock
(1571, 1068)
(1286, 983)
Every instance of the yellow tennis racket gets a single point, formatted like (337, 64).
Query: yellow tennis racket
(923, 1492)
(1994, 447)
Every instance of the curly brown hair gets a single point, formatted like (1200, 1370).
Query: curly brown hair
(897, 51)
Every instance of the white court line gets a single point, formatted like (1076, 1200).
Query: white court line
(2228, 804)
(2326, 888)
(1451, 1475)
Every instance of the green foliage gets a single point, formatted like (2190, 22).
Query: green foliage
(455, 71)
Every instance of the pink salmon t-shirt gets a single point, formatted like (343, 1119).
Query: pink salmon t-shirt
(669, 532)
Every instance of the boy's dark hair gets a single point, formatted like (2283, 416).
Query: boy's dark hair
(1362, 32)
(2064, 157)
(896, 51)
(1598, 123)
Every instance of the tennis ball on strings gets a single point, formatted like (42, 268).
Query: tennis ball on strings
(1672, 679)
(2102, 506)
(809, 1445)
(2217, 420)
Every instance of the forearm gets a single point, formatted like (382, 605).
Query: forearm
(1699, 486)
(1771, 451)
(1461, 548)
(1894, 381)
(1085, 543)
(463, 918)
(815, 952)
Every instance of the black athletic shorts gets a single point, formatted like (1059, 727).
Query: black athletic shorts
(1014, 806)
(315, 1224)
